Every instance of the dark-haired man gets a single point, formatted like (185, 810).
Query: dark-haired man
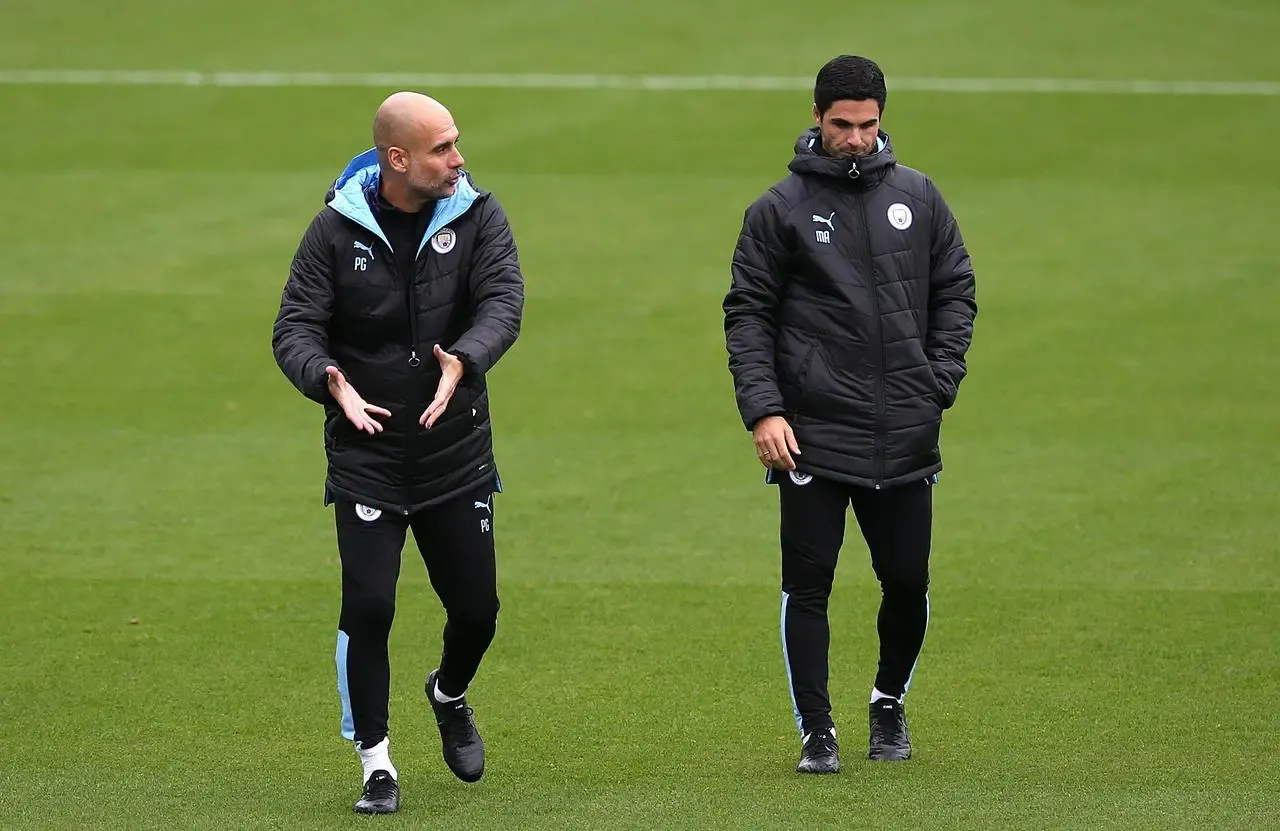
(847, 322)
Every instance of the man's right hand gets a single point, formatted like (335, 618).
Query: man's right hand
(356, 409)
(775, 443)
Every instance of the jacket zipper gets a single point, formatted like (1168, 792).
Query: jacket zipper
(413, 315)
(410, 282)
(873, 287)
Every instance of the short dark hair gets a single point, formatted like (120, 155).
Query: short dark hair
(849, 77)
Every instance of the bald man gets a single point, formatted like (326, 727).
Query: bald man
(404, 292)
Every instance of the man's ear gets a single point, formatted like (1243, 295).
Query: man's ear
(396, 157)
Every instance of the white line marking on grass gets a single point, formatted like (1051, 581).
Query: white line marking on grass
(656, 83)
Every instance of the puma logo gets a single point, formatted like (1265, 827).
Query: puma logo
(828, 221)
(368, 249)
(484, 505)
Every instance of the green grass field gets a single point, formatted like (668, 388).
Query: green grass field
(1106, 580)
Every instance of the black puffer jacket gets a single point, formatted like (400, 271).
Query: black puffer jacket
(346, 305)
(850, 313)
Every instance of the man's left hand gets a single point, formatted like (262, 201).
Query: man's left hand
(450, 375)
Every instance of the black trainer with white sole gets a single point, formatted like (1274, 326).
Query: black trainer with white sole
(381, 795)
(890, 740)
(460, 740)
(820, 752)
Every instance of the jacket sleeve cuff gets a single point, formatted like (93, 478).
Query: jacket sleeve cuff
(318, 385)
(755, 418)
(469, 367)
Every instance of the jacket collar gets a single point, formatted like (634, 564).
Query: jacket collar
(349, 196)
(810, 159)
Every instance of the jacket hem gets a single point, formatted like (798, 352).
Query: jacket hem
(869, 482)
(334, 492)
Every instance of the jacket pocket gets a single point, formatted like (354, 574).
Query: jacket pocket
(479, 412)
(936, 385)
(806, 366)
(804, 378)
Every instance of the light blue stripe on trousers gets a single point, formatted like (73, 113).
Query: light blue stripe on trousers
(786, 659)
(340, 658)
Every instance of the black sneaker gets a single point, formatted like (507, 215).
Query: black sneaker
(381, 795)
(890, 741)
(820, 753)
(463, 747)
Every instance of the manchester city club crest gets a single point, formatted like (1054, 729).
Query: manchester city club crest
(444, 240)
(900, 216)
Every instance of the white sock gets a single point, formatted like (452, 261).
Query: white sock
(441, 697)
(876, 695)
(377, 757)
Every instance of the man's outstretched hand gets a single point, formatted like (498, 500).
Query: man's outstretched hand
(450, 375)
(358, 411)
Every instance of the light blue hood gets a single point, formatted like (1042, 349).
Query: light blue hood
(359, 181)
